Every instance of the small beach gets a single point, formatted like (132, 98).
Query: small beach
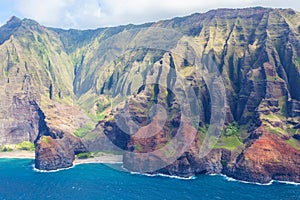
(103, 158)
(18, 154)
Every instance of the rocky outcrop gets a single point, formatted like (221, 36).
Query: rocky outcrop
(54, 82)
(266, 158)
(58, 153)
(190, 164)
(53, 154)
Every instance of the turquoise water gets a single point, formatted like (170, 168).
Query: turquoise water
(18, 180)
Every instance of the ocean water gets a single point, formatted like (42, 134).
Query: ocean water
(18, 180)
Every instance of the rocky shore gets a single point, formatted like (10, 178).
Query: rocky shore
(77, 91)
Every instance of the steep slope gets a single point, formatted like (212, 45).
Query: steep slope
(36, 76)
(256, 51)
(206, 93)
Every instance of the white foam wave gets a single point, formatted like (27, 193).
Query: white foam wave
(164, 175)
(74, 165)
(212, 174)
(265, 184)
(288, 182)
(171, 176)
(50, 171)
(246, 182)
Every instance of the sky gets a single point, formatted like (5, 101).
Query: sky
(90, 14)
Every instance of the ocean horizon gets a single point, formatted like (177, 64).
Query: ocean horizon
(19, 180)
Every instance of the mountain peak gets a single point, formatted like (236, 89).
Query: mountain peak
(14, 19)
(11, 25)
(13, 22)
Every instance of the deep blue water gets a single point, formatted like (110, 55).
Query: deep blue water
(18, 180)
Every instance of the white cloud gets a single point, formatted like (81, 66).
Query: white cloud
(62, 13)
(46, 11)
(98, 13)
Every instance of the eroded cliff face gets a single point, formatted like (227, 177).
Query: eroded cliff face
(256, 51)
(36, 91)
(133, 86)
(266, 158)
(20, 121)
(57, 151)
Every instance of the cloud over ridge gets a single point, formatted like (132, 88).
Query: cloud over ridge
(84, 14)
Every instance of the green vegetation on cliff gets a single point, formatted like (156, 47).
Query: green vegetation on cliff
(23, 146)
(75, 79)
(26, 146)
(81, 132)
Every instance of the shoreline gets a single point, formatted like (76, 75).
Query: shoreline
(18, 154)
(104, 159)
(230, 179)
(118, 159)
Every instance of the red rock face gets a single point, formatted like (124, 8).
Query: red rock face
(52, 154)
(153, 154)
(255, 49)
(268, 158)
